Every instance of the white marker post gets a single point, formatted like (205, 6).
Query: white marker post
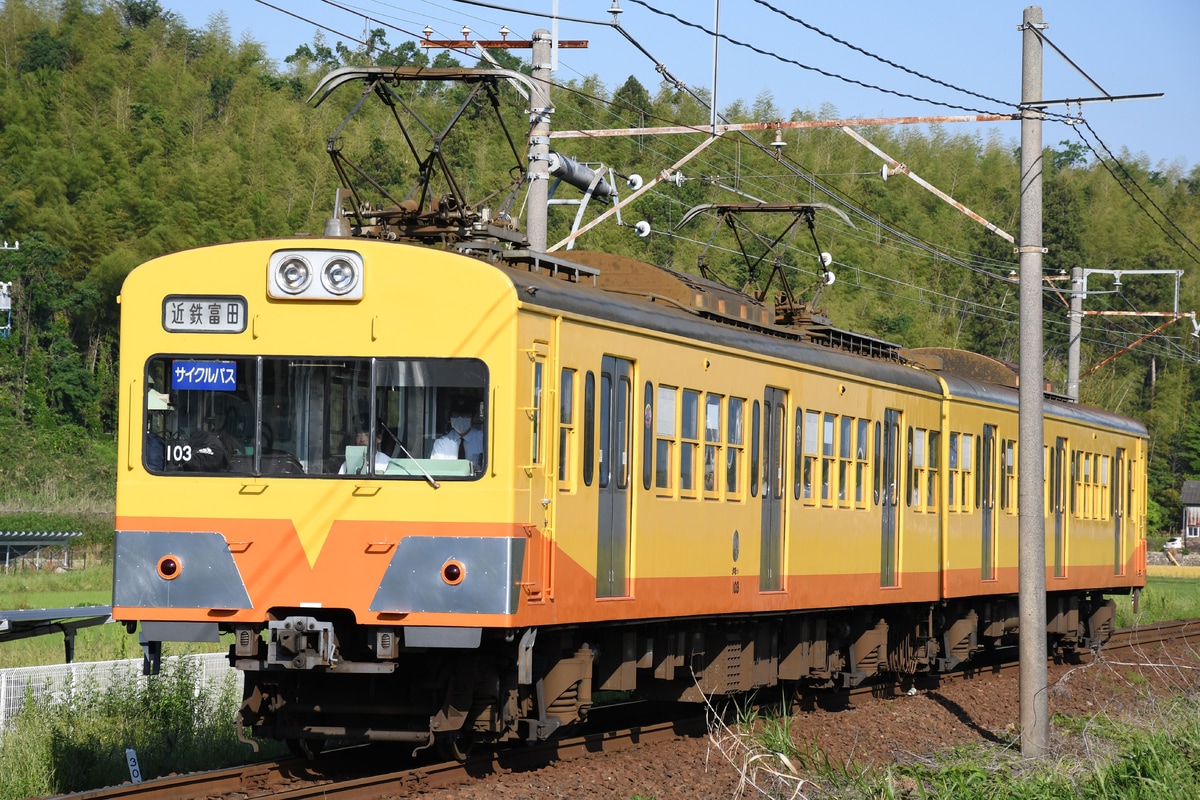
(135, 772)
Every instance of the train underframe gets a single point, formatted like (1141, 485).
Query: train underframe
(315, 678)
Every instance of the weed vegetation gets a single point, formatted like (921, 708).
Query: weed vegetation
(1164, 598)
(1150, 757)
(67, 744)
(57, 478)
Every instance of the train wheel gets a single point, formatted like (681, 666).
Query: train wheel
(308, 749)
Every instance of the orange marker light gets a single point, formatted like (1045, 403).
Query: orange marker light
(453, 572)
(169, 567)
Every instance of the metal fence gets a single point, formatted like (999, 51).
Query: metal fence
(62, 681)
(51, 556)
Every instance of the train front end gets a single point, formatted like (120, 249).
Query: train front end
(308, 471)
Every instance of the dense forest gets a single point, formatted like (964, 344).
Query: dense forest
(125, 134)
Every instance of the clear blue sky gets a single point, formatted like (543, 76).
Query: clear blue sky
(975, 45)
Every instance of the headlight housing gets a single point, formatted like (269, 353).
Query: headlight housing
(291, 275)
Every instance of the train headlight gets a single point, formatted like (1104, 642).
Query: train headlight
(292, 275)
(339, 275)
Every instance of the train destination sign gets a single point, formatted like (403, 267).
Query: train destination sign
(204, 314)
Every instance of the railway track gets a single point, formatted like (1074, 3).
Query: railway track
(355, 773)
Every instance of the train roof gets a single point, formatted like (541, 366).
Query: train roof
(659, 302)
(631, 292)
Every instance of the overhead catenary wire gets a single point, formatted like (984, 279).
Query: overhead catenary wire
(880, 58)
(809, 67)
(1129, 177)
(901, 238)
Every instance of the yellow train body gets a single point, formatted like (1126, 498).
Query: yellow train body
(661, 486)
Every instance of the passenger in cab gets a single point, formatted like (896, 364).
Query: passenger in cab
(464, 440)
(361, 439)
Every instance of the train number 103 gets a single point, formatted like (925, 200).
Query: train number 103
(179, 453)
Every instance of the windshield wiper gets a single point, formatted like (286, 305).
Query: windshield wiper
(428, 477)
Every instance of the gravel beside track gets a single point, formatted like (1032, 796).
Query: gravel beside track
(1129, 683)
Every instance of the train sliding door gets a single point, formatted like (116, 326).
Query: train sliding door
(615, 467)
(889, 494)
(774, 434)
(1059, 476)
(987, 502)
(1118, 510)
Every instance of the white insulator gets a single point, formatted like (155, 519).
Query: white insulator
(634, 182)
(826, 259)
(642, 229)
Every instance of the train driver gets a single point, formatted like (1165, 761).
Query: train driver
(463, 440)
(361, 437)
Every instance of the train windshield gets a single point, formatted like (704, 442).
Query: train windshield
(403, 419)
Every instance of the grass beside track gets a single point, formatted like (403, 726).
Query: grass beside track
(1148, 756)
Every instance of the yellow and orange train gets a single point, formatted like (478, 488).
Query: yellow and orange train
(442, 496)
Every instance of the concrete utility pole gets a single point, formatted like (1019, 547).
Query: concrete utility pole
(539, 142)
(1074, 333)
(1034, 699)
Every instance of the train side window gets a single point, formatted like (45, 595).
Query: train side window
(1008, 475)
(647, 435)
(624, 432)
(589, 428)
(979, 468)
(1091, 475)
(916, 466)
(860, 463)
(777, 454)
(1118, 474)
(664, 431)
(535, 447)
(827, 458)
(845, 460)
(712, 443)
(811, 445)
(1074, 507)
(755, 445)
(689, 446)
(934, 461)
(605, 453)
(566, 425)
(1103, 501)
(735, 441)
(967, 461)
(1047, 462)
(952, 470)
(878, 480)
(1088, 484)
(913, 465)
